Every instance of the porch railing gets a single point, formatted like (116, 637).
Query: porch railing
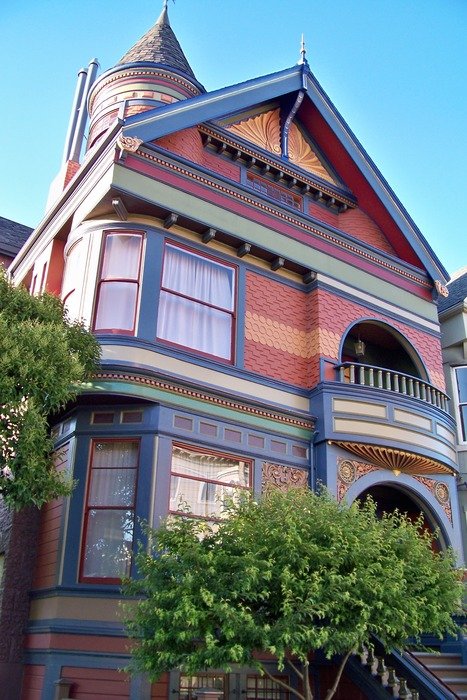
(397, 382)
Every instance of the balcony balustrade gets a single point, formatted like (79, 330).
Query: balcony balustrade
(389, 380)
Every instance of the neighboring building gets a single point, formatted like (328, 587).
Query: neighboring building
(12, 237)
(267, 314)
(453, 319)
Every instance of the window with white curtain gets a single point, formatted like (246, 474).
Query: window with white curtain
(197, 303)
(73, 279)
(201, 481)
(109, 510)
(118, 289)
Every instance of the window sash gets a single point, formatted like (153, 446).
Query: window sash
(194, 488)
(197, 303)
(109, 510)
(118, 288)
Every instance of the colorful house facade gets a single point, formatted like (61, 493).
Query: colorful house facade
(267, 312)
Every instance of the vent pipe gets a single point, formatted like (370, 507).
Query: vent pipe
(74, 114)
(82, 113)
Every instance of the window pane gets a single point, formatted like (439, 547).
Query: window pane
(199, 497)
(216, 467)
(193, 325)
(121, 256)
(107, 552)
(116, 306)
(198, 277)
(112, 487)
(463, 412)
(461, 373)
(118, 454)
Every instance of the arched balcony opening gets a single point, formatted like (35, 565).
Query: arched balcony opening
(389, 499)
(375, 355)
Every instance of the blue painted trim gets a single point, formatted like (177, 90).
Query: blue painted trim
(375, 179)
(78, 627)
(212, 105)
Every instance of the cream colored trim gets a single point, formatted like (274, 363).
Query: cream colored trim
(73, 608)
(412, 419)
(360, 408)
(208, 377)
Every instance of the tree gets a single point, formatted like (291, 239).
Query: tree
(44, 359)
(290, 574)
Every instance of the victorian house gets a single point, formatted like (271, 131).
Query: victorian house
(267, 311)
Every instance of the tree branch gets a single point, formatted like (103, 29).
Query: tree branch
(295, 669)
(282, 684)
(331, 691)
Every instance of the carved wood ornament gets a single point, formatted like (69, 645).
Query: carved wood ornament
(264, 130)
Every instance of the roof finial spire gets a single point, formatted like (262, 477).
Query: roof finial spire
(303, 61)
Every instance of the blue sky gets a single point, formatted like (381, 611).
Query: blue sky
(395, 69)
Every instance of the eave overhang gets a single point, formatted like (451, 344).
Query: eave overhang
(219, 103)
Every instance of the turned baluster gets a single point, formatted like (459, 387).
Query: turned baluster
(404, 693)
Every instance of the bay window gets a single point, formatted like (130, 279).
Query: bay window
(118, 287)
(109, 510)
(197, 303)
(201, 481)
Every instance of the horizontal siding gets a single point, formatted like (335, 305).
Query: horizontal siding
(160, 689)
(97, 683)
(33, 681)
(49, 534)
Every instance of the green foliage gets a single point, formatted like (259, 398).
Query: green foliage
(293, 573)
(44, 359)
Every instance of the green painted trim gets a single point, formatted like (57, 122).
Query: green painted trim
(197, 406)
(249, 230)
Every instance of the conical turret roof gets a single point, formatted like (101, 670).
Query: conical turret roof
(159, 45)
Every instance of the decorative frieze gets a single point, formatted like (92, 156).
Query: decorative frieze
(283, 478)
(348, 472)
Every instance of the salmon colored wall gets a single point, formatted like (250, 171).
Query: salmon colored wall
(354, 222)
(287, 331)
(160, 690)
(33, 681)
(95, 683)
(49, 533)
(188, 144)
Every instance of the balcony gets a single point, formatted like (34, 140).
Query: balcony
(390, 380)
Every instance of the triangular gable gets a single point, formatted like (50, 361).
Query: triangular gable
(332, 135)
(264, 131)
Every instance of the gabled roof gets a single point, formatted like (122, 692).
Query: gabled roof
(159, 45)
(345, 147)
(12, 236)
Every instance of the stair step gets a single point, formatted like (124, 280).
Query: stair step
(438, 659)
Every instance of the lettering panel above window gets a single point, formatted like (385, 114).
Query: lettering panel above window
(118, 289)
(197, 303)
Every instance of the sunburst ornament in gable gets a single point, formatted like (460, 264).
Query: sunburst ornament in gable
(264, 131)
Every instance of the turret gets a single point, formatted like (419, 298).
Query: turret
(153, 73)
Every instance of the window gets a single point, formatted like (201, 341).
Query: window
(118, 289)
(189, 685)
(196, 307)
(109, 511)
(274, 192)
(201, 480)
(461, 378)
(73, 279)
(262, 688)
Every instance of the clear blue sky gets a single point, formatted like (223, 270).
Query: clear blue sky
(395, 69)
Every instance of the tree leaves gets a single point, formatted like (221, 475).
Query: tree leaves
(43, 359)
(293, 573)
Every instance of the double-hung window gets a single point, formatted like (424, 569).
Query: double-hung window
(461, 380)
(197, 303)
(118, 288)
(109, 510)
(202, 480)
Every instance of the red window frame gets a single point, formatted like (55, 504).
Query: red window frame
(88, 507)
(233, 312)
(205, 451)
(111, 280)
